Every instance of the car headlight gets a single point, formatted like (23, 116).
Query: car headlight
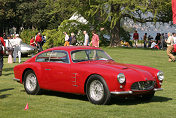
(160, 75)
(121, 78)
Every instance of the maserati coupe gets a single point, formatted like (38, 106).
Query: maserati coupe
(88, 71)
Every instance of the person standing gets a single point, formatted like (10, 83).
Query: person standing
(170, 42)
(162, 41)
(17, 48)
(38, 40)
(157, 38)
(72, 39)
(66, 39)
(2, 44)
(95, 39)
(32, 42)
(135, 38)
(145, 40)
(86, 38)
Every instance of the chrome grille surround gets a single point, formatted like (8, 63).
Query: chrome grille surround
(143, 85)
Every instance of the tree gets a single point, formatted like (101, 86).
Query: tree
(6, 14)
(112, 12)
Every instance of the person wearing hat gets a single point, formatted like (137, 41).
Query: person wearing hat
(17, 48)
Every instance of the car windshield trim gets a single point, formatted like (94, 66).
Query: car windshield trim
(88, 56)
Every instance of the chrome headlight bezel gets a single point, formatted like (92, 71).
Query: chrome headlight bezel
(121, 78)
(160, 76)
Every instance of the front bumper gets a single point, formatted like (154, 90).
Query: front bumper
(131, 92)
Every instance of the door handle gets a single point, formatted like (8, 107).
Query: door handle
(47, 69)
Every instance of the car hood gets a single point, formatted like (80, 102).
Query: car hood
(134, 72)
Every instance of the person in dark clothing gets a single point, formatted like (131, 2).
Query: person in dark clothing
(145, 40)
(149, 41)
(2, 43)
(157, 38)
(72, 39)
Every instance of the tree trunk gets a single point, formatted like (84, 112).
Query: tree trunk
(115, 32)
(115, 35)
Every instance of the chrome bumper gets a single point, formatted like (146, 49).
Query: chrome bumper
(158, 89)
(122, 92)
(18, 80)
(131, 92)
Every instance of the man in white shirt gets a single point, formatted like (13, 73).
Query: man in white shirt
(17, 48)
(170, 42)
(86, 38)
(66, 39)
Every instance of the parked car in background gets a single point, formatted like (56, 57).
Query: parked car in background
(89, 71)
(25, 48)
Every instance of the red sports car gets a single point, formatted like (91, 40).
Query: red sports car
(87, 70)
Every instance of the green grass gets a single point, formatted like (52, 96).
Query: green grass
(60, 105)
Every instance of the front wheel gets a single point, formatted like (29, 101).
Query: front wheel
(31, 85)
(97, 90)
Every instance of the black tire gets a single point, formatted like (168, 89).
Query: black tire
(146, 97)
(94, 95)
(31, 85)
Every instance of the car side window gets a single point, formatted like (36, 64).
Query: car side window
(79, 56)
(59, 56)
(44, 57)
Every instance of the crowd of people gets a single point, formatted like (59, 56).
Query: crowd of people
(14, 47)
(38, 41)
(160, 42)
(16, 51)
(70, 41)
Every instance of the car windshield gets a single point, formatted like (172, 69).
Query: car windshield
(88, 55)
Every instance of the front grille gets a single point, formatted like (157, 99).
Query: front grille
(143, 85)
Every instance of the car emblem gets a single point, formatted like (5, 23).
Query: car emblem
(146, 79)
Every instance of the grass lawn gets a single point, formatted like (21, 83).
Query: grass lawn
(13, 98)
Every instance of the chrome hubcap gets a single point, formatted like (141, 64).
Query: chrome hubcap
(96, 90)
(31, 82)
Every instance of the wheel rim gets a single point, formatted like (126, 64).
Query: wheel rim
(96, 90)
(31, 82)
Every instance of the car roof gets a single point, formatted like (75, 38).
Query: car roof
(71, 48)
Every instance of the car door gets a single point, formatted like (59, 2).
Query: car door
(55, 70)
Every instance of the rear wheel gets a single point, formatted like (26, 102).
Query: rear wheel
(31, 85)
(97, 90)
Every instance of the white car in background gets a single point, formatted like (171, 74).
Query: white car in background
(25, 48)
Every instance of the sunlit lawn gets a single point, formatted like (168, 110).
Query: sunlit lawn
(59, 105)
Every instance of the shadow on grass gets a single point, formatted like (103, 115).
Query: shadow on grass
(5, 95)
(8, 74)
(132, 101)
(7, 69)
(3, 90)
(114, 100)
(65, 95)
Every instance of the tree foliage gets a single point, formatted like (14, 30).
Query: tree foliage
(112, 12)
(49, 14)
